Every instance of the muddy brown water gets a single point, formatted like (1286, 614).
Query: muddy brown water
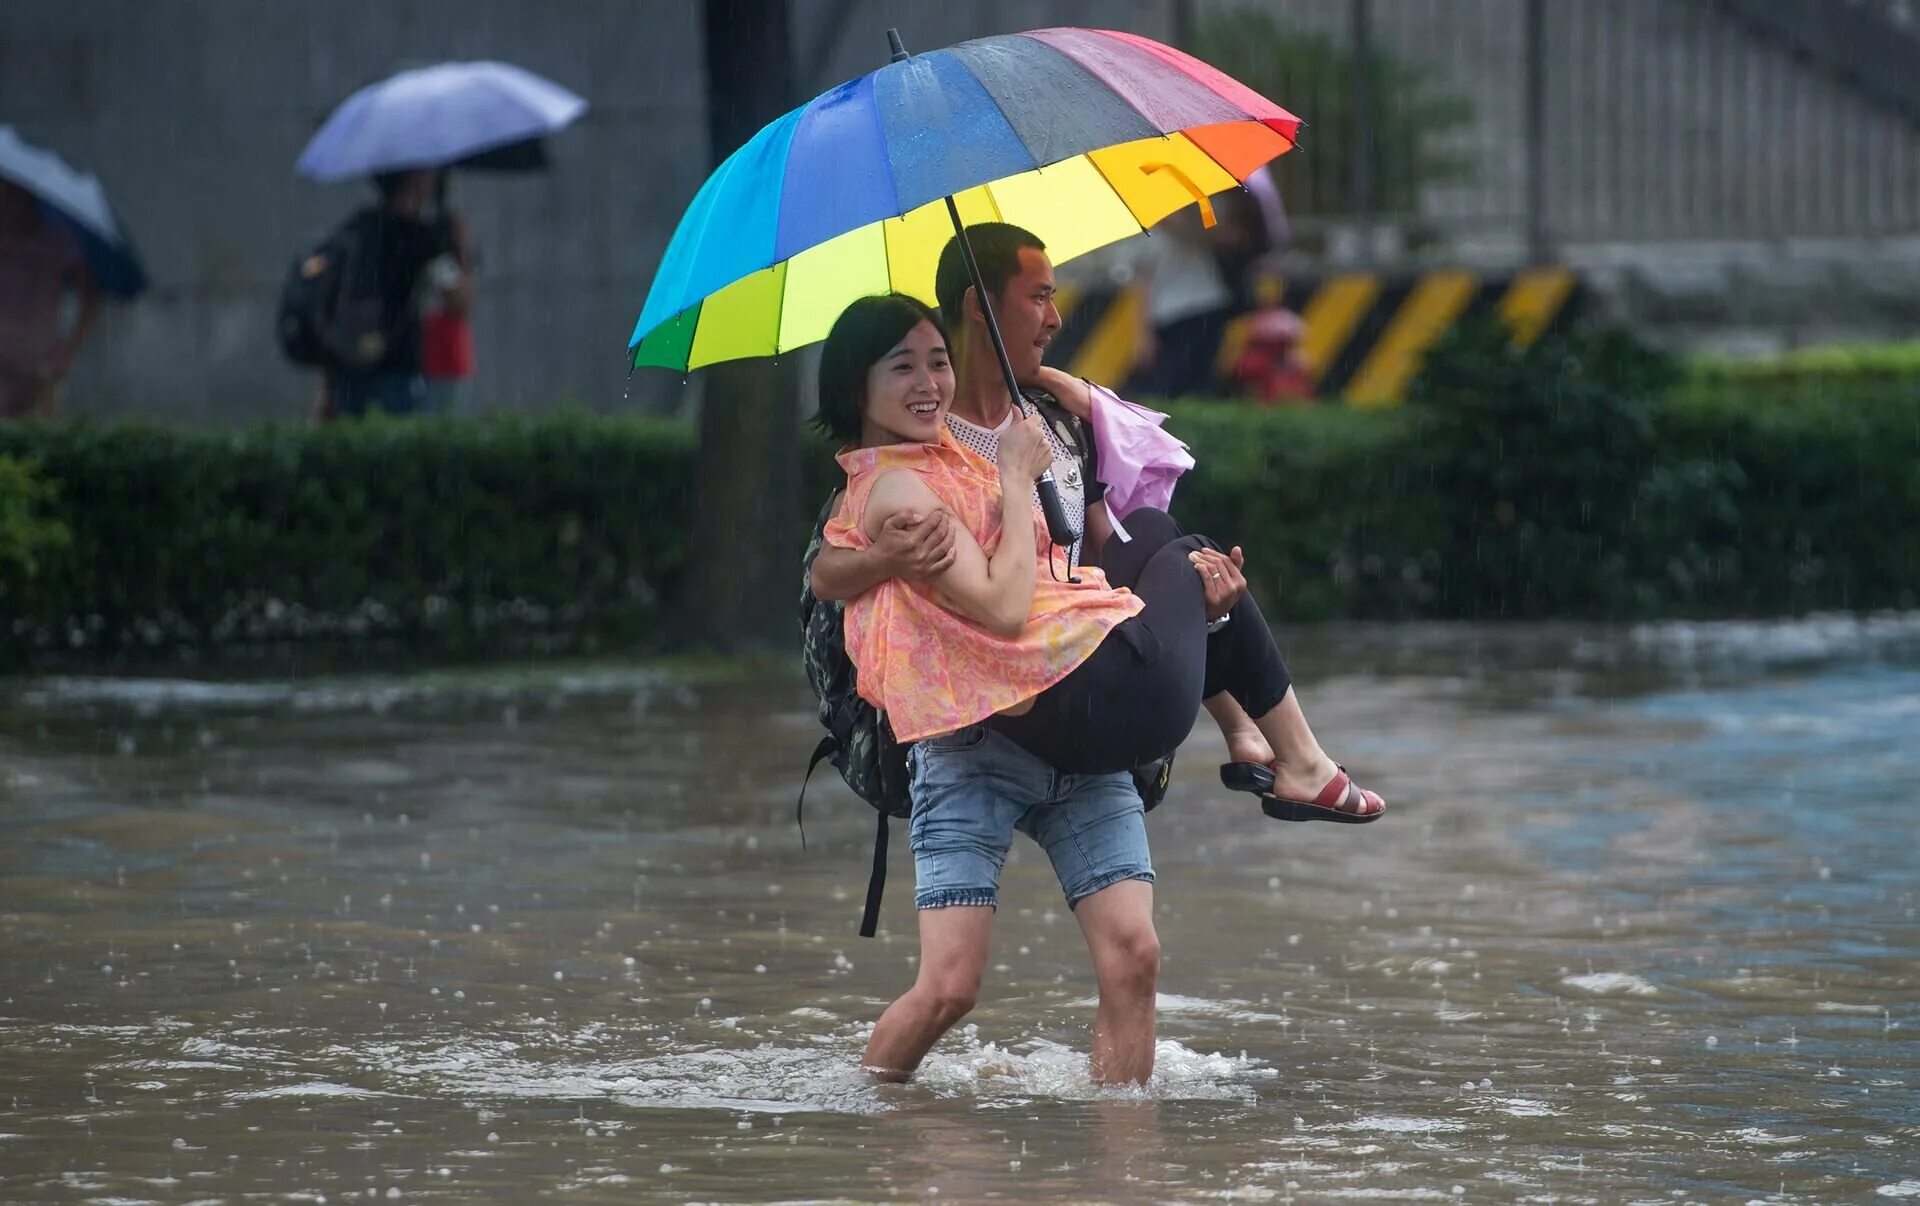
(1641, 926)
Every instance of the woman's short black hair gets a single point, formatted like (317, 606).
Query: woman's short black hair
(865, 331)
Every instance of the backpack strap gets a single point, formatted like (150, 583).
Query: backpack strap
(1077, 433)
(827, 748)
(877, 881)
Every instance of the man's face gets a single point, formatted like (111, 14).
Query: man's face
(1028, 318)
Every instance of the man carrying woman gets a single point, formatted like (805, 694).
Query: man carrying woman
(1029, 696)
(1019, 278)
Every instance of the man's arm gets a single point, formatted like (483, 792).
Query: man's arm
(912, 544)
(840, 574)
(458, 299)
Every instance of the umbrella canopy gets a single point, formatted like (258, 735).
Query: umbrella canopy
(75, 199)
(1082, 136)
(436, 117)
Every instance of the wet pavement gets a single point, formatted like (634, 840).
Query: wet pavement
(1641, 926)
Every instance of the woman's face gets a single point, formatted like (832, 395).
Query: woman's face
(909, 390)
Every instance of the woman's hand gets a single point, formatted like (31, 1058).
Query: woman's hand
(1024, 453)
(1068, 390)
(1221, 578)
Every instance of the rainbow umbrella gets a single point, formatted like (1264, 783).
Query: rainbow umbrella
(1083, 136)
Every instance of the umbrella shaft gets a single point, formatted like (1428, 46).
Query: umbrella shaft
(1057, 525)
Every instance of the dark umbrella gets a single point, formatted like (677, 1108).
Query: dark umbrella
(75, 199)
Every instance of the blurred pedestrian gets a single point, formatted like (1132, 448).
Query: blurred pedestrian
(1252, 232)
(47, 302)
(1186, 305)
(446, 327)
(371, 328)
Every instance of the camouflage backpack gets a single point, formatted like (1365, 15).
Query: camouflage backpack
(859, 741)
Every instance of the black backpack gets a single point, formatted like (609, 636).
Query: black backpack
(859, 741)
(332, 313)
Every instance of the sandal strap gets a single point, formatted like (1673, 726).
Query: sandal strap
(1335, 793)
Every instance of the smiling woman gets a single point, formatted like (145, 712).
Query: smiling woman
(889, 377)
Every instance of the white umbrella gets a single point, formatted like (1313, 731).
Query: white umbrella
(436, 117)
(75, 198)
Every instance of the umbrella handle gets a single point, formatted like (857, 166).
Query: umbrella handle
(1199, 194)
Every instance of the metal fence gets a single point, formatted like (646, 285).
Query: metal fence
(1599, 121)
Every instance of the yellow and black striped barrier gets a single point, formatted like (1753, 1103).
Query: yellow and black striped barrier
(1363, 333)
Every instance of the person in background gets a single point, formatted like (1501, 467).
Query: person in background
(1272, 366)
(1186, 305)
(47, 302)
(446, 327)
(411, 230)
(1252, 232)
(1269, 362)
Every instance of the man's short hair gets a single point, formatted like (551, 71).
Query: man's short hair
(996, 248)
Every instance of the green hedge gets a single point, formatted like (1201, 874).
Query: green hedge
(27, 532)
(438, 530)
(1583, 478)
(1832, 364)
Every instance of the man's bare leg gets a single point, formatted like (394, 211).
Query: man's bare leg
(1118, 924)
(953, 953)
(1282, 737)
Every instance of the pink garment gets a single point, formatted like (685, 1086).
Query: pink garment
(1139, 463)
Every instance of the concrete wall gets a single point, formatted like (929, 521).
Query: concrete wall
(1665, 120)
(193, 111)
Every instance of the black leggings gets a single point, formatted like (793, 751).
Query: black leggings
(1136, 698)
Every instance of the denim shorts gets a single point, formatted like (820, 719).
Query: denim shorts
(973, 787)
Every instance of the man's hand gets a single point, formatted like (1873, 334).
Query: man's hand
(916, 547)
(1221, 577)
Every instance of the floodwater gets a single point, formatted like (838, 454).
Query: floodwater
(1641, 926)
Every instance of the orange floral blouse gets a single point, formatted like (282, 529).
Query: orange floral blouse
(932, 671)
